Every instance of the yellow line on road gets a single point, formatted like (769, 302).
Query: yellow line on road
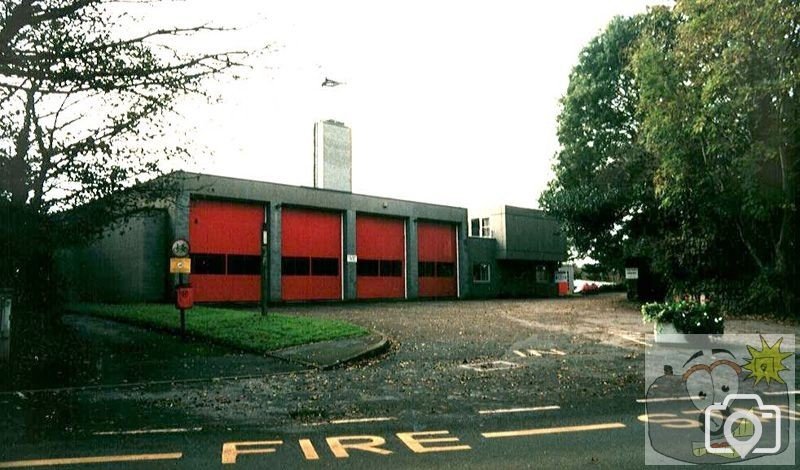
(89, 460)
(563, 429)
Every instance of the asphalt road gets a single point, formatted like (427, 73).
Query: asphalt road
(564, 395)
(603, 434)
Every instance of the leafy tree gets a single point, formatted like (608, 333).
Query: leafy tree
(721, 113)
(713, 118)
(603, 185)
(81, 103)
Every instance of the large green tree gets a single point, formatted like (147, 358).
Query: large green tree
(83, 98)
(716, 121)
(603, 185)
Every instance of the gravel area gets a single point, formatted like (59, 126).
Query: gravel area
(586, 349)
(423, 373)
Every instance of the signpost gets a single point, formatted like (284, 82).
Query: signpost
(631, 273)
(264, 265)
(180, 264)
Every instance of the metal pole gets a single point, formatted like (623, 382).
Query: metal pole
(264, 263)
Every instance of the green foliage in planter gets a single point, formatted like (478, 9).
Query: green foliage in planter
(688, 316)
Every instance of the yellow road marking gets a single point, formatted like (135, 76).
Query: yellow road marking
(89, 460)
(519, 410)
(309, 452)
(563, 429)
(416, 441)
(231, 450)
(340, 444)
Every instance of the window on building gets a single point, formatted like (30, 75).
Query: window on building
(480, 228)
(295, 266)
(383, 268)
(244, 264)
(391, 268)
(480, 272)
(368, 267)
(207, 263)
(445, 269)
(541, 274)
(427, 269)
(475, 227)
(324, 266)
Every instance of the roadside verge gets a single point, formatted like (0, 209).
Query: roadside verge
(244, 330)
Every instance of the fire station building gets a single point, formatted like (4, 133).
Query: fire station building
(252, 239)
(316, 244)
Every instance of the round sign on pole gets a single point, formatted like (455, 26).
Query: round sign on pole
(180, 248)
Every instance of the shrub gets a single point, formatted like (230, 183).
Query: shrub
(688, 316)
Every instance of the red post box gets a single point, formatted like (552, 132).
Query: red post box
(184, 297)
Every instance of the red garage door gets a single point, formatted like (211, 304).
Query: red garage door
(380, 246)
(437, 259)
(311, 249)
(226, 251)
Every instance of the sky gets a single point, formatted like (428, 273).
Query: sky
(449, 102)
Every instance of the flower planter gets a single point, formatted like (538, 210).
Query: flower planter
(665, 333)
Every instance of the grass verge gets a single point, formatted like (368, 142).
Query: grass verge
(240, 329)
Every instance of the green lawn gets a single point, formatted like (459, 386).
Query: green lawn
(241, 329)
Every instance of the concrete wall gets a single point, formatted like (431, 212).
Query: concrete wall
(483, 250)
(517, 278)
(128, 264)
(530, 234)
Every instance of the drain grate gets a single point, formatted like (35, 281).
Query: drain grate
(490, 366)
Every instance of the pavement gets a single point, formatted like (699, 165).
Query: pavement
(477, 384)
(329, 354)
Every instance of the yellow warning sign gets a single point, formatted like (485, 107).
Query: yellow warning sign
(180, 265)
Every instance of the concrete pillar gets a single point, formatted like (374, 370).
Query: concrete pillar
(349, 245)
(412, 259)
(464, 263)
(273, 287)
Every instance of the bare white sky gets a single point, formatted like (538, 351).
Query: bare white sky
(452, 102)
